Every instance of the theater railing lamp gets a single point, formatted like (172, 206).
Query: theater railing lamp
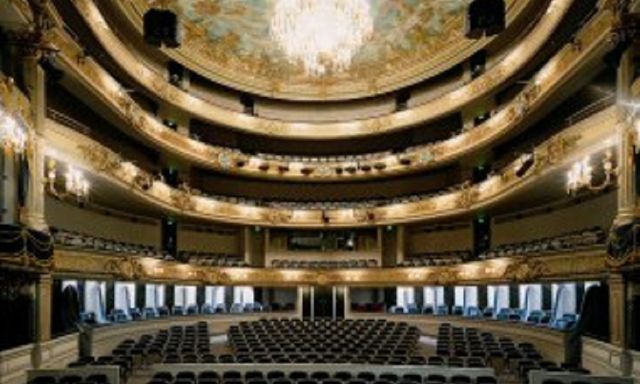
(13, 137)
(74, 183)
(581, 175)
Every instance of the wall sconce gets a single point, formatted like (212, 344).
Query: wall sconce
(580, 176)
(75, 184)
(13, 136)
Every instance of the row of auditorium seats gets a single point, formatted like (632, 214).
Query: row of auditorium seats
(572, 241)
(586, 239)
(316, 264)
(541, 318)
(436, 259)
(83, 241)
(502, 354)
(567, 242)
(326, 341)
(316, 377)
(332, 205)
(134, 314)
(210, 259)
(72, 378)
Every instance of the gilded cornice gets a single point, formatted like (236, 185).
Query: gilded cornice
(428, 56)
(556, 73)
(588, 136)
(511, 64)
(575, 265)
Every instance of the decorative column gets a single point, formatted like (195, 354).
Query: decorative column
(247, 244)
(621, 244)
(43, 308)
(267, 248)
(626, 150)
(617, 296)
(347, 302)
(32, 214)
(400, 243)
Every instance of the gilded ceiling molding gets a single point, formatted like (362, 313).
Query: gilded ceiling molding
(479, 87)
(588, 136)
(575, 265)
(418, 41)
(557, 72)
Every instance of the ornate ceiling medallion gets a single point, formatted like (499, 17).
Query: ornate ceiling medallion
(323, 35)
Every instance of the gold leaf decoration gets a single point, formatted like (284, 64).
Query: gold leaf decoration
(525, 269)
(183, 200)
(279, 216)
(467, 197)
(127, 268)
(101, 159)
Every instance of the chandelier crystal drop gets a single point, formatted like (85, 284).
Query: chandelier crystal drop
(323, 35)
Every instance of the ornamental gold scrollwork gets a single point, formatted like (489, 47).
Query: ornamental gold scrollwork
(467, 196)
(182, 199)
(128, 268)
(271, 127)
(363, 215)
(321, 278)
(142, 180)
(525, 269)
(214, 276)
(446, 276)
(526, 99)
(555, 150)
(279, 216)
(100, 158)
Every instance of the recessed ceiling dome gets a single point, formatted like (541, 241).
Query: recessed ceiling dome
(235, 43)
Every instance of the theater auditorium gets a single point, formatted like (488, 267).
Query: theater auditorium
(319, 191)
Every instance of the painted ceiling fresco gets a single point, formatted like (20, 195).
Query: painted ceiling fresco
(234, 35)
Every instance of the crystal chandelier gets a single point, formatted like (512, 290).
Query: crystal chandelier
(322, 35)
(12, 136)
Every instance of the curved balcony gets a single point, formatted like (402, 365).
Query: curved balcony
(561, 71)
(511, 269)
(263, 77)
(481, 86)
(553, 156)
